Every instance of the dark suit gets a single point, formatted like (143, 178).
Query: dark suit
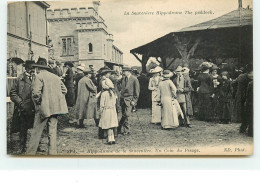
(129, 94)
(23, 117)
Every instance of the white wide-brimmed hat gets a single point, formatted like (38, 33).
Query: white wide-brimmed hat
(157, 69)
(185, 70)
(178, 69)
(81, 68)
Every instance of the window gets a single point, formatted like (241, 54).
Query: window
(90, 48)
(67, 46)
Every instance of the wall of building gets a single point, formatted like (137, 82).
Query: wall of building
(59, 30)
(26, 17)
(96, 38)
(19, 48)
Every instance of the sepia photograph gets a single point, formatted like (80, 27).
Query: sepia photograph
(130, 78)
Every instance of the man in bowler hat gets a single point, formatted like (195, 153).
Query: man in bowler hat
(21, 95)
(128, 100)
(48, 94)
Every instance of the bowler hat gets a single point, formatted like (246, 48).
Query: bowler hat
(167, 74)
(28, 63)
(42, 63)
(70, 64)
(51, 61)
(106, 70)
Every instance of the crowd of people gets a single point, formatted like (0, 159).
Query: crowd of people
(46, 90)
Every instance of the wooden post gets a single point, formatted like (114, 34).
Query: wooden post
(145, 58)
(182, 46)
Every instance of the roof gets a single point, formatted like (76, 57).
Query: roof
(43, 3)
(236, 18)
(233, 19)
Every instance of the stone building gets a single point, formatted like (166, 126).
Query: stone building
(27, 38)
(26, 32)
(81, 36)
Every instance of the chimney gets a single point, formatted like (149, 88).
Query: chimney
(96, 4)
(239, 4)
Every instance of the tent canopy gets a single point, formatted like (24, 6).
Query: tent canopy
(228, 36)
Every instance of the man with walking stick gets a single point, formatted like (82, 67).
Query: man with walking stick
(129, 97)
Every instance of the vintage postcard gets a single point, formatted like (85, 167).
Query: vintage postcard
(130, 78)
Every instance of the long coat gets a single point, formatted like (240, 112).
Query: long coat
(108, 117)
(77, 78)
(86, 105)
(240, 84)
(187, 92)
(48, 91)
(166, 95)
(205, 83)
(156, 109)
(21, 93)
(224, 100)
(70, 96)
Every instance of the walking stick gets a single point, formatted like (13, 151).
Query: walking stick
(135, 110)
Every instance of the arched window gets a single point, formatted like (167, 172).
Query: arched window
(90, 48)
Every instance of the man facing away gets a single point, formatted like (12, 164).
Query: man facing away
(128, 100)
(48, 94)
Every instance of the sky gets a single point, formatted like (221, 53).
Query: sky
(131, 31)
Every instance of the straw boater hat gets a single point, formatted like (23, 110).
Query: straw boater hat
(41, 63)
(126, 68)
(106, 70)
(86, 71)
(179, 69)
(157, 69)
(81, 67)
(167, 74)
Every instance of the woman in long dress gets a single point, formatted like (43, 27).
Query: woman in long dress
(205, 92)
(108, 118)
(170, 106)
(154, 87)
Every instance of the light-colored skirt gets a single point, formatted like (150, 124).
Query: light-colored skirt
(170, 112)
(156, 113)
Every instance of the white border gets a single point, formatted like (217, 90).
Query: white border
(177, 163)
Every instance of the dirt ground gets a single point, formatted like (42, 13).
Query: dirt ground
(84, 141)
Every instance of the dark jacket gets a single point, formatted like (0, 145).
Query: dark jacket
(130, 90)
(205, 83)
(77, 78)
(21, 95)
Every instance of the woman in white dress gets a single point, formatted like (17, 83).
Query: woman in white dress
(153, 86)
(170, 106)
(108, 115)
